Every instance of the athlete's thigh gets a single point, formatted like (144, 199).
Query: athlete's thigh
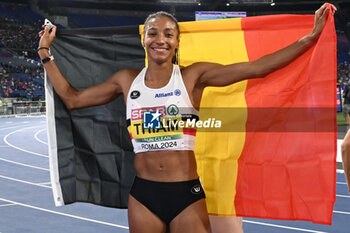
(223, 224)
(193, 219)
(142, 220)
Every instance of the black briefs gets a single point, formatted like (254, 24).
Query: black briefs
(166, 199)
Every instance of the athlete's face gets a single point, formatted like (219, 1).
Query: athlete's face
(160, 39)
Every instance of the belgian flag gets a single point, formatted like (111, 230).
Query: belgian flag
(273, 158)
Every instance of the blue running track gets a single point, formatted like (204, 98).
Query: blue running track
(27, 206)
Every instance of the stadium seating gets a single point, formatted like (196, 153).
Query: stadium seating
(88, 21)
(24, 15)
(18, 42)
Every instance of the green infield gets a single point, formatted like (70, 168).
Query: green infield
(341, 119)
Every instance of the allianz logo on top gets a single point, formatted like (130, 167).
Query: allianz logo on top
(176, 92)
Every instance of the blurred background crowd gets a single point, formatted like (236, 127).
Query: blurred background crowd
(21, 73)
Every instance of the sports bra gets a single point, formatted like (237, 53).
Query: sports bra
(161, 118)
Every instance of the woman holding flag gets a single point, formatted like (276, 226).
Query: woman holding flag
(167, 193)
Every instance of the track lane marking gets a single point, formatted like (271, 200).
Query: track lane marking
(23, 181)
(340, 212)
(24, 165)
(38, 139)
(284, 227)
(5, 205)
(11, 127)
(272, 224)
(341, 183)
(64, 214)
(345, 196)
(43, 183)
(18, 148)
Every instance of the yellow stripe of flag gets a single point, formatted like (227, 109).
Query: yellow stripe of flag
(220, 41)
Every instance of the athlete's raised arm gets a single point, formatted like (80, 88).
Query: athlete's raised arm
(211, 74)
(96, 95)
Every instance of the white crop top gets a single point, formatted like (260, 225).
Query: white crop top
(163, 118)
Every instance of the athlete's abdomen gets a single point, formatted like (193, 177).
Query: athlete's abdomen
(166, 166)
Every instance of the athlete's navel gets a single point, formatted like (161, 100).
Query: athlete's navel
(161, 167)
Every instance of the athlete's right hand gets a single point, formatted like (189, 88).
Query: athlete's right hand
(47, 37)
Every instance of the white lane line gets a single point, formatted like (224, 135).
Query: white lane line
(64, 214)
(45, 183)
(6, 205)
(38, 139)
(18, 148)
(12, 127)
(281, 226)
(29, 116)
(341, 212)
(24, 165)
(23, 181)
(341, 183)
(345, 196)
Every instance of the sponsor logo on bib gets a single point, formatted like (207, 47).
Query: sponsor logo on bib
(135, 94)
(172, 110)
(177, 92)
(160, 95)
(197, 189)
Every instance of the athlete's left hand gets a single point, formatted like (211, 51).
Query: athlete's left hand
(320, 19)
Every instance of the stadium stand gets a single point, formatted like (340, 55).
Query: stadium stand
(343, 55)
(19, 26)
(123, 21)
(20, 69)
(86, 21)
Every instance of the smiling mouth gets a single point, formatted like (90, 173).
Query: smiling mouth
(160, 49)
